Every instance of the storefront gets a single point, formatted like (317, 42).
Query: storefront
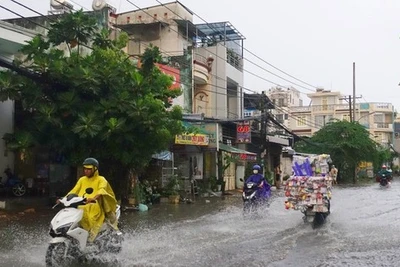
(233, 164)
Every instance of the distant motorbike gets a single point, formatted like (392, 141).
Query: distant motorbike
(250, 200)
(13, 184)
(69, 240)
(384, 181)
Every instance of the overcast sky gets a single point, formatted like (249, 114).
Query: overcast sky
(315, 41)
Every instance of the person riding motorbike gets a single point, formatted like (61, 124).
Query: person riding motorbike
(264, 189)
(384, 171)
(101, 203)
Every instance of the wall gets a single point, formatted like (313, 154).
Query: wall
(6, 126)
(217, 95)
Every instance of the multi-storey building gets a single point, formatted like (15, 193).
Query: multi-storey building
(283, 99)
(207, 62)
(207, 57)
(12, 38)
(326, 105)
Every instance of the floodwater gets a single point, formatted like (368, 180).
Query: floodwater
(362, 230)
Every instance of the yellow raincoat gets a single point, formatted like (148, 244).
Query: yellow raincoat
(94, 214)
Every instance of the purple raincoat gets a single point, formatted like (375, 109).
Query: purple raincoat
(263, 192)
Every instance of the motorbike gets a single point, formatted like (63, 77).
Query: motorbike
(384, 181)
(69, 240)
(316, 217)
(13, 184)
(250, 200)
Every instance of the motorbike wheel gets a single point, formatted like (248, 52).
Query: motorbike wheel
(55, 255)
(115, 244)
(18, 190)
(247, 207)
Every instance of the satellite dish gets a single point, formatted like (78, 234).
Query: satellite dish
(60, 4)
(99, 4)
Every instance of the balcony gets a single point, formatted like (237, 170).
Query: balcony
(201, 69)
(234, 59)
(382, 107)
(300, 109)
(384, 127)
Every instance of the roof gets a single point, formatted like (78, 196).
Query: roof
(221, 29)
(234, 150)
(164, 4)
(192, 29)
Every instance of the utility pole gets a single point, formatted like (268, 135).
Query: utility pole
(354, 91)
(352, 106)
(351, 114)
(264, 102)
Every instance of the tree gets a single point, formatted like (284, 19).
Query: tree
(348, 144)
(90, 99)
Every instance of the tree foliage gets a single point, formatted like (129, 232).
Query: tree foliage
(91, 99)
(348, 143)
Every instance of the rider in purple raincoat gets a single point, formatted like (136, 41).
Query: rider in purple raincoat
(264, 189)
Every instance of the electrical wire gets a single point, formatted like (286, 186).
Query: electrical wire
(211, 52)
(91, 48)
(210, 26)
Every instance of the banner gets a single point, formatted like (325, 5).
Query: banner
(192, 139)
(243, 133)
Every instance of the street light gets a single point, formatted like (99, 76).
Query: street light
(365, 115)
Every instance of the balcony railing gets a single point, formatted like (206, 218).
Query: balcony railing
(234, 59)
(382, 125)
(300, 109)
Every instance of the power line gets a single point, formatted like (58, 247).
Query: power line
(255, 64)
(91, 48)
(263, 60)
(211, 52)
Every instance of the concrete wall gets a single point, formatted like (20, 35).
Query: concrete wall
(6, 126)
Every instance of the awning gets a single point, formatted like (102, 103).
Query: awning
(164, 155)
(239, 153)
(278, 140)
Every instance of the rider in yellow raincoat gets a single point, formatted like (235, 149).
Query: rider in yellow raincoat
(102, 200)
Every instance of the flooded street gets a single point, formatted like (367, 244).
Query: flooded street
(363, 230)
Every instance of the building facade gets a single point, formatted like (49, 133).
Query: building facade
(326, 105)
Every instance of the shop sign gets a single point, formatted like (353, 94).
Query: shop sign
(192, 139)
(243, 133)
(244, 157)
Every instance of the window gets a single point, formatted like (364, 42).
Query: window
(346, 117)
(279, 118)
(281, 102)
(301, 121)
(379, 118)
(324, 103)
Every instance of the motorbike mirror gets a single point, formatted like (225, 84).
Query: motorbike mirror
(241, 179)
(89, 190)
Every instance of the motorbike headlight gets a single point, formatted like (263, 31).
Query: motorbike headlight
(64, 228)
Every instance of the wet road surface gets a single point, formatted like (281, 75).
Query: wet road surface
(363, 230)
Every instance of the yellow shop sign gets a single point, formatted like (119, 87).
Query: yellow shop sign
(192, 139)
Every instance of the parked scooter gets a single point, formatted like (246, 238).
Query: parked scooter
(69, 240)
(13, 184)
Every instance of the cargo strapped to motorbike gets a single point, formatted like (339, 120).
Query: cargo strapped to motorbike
(310, 188)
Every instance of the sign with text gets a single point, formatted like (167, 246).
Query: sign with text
(192, 139)
(243, 132)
